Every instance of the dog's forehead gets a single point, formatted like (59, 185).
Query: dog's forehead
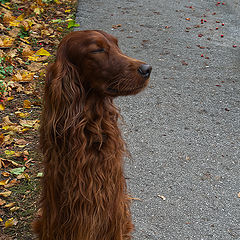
(99, 37)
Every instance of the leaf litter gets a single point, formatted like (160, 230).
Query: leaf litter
(30, 34)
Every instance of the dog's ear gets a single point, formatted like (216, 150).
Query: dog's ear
(64, 95)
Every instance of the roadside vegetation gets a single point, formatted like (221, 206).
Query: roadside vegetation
(30, 34)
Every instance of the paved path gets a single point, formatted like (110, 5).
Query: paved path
(183, 131)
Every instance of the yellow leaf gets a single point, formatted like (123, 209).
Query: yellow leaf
(5, 193)
(33, 58)
(10, 222)
(21, 17)
(8, 152)
(14, 23)
(21, 114)
(13, 209)
(10, 98)
(29, 123)
(1, 107)
(67, 11)
(9, 205)
(26, 104)
(26, 176)
(42, 52)
(6, 41)
(6, 6)
(1, 220)
(23, 76)
(4, 182)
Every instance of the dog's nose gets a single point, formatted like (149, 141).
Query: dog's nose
(145, 70)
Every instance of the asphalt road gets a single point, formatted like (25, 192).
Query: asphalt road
(183, 130)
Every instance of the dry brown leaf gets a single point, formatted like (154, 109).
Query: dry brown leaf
(6, 174)
(6, 121)
(11, 183)
(26, 104)
(34, 67)
(2, 202)
(37, 27)
(2, 27)
(14, 32)
(12, 53)
(1, 138)
(7, 139)
(6, 42)
(8, 17)
(23, 76)
(2, 54)
(21, 142)
(27, 51)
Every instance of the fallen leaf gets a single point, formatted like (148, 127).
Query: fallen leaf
(1, 138)
(40, 174)
(8, 17)
(27, 51)
(9, 152)
(5, 193)
(9, 205)
(4, 182)
(17, 171)
(184, 63)
(1, 107)
(72, 23)
(11, 183)
(6, 42)
(42, 52)
(10, 222)
(12, 53)
(13, 209)
(162, 197)
(21, 114)
(26, 104)
(6, 174)
(35, 67)
(21, 142)
(2, 202)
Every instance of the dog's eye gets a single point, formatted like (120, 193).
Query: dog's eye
(100, 50)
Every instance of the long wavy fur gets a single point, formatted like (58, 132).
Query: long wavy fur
(84, 194)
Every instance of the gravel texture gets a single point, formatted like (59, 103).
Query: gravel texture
(183, 130)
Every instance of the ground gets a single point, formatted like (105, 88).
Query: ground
(30, 34)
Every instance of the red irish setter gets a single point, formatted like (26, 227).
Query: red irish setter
(84, 195)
